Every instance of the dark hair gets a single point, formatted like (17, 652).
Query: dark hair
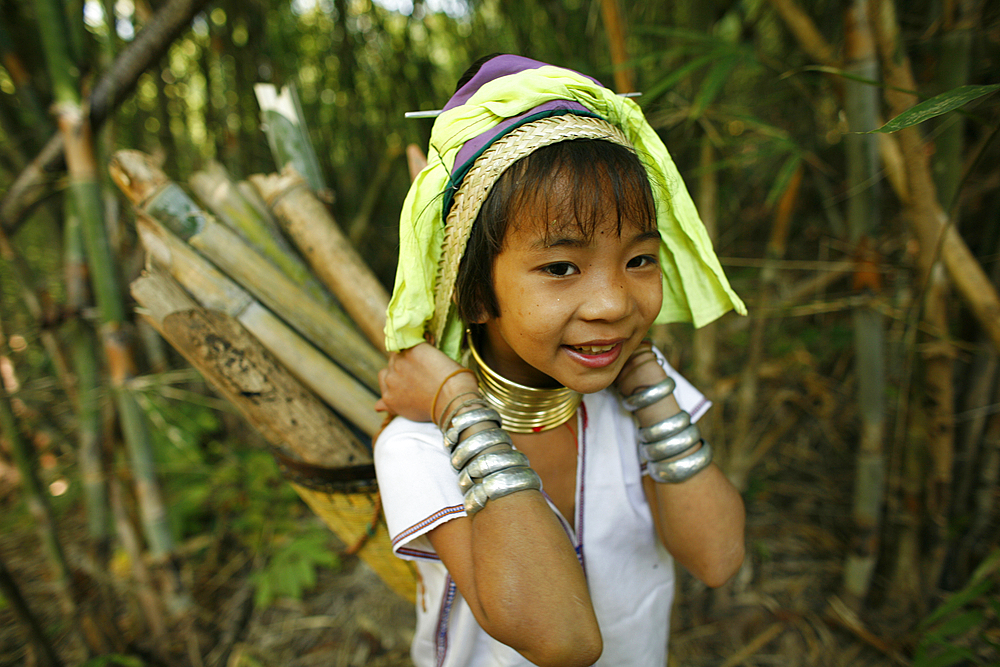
(595, 170)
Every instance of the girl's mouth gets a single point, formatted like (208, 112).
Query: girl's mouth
(594, 356)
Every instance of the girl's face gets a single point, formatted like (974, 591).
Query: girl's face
(572, 309)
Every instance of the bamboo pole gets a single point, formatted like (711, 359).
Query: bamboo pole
(229, 204)
(157, 197)
(331, 256)
(241, 369)
(83, 342)
(74, 126)
(614, 26)
(213, 290)
(861, 109)
(939, 240)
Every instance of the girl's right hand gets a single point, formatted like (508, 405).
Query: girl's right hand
(413, 376)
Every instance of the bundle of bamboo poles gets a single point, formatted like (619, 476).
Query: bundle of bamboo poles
(294, 344)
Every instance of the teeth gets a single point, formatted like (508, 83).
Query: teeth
(593, 349)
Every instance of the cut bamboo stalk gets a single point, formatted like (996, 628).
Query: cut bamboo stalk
(215, 291)
(284, 124)
(156, 196)
(334, 260)
(241, 369)
(223, 198)
(288, 416)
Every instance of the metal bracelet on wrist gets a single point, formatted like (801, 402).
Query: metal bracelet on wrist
(462, 421)
(672, 445)
(680, 470)
(665, 428)
(488, 463)
(645, 397)
(448, 418)
(476, 444)
(500, 484)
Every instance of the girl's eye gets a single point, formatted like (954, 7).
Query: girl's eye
(560, 269)
(641, 261)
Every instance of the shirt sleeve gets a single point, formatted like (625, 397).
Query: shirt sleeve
(688, 397)
(418, 486)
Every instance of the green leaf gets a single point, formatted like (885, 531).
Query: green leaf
(936, 106)
(959, 599)
(713, 82)
(960, 624)
(675, 77)
(952, 655)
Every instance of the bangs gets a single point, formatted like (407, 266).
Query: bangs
(590, 177)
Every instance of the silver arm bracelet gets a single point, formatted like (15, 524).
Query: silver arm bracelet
(666, 428)
(651, 394)
(672, 445)
(679, 470)
(463, 421)
(500, 484)
(476, 444)
(477, 400)
(488, 463)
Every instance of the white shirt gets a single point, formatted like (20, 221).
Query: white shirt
(629, 573)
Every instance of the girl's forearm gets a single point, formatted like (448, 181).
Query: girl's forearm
(700, 521)
(515, 566)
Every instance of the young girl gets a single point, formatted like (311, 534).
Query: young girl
(543, 469)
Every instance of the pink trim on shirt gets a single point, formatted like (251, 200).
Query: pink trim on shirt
(454, 509)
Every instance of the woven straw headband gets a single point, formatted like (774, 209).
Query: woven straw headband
(481, 178)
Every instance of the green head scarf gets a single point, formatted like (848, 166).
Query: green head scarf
(507, 92)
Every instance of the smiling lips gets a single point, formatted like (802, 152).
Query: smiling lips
(594, 356)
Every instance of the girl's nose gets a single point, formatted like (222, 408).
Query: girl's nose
(609, 301)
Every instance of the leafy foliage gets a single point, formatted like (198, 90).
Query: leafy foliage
(937, 106)
(964, 629)
(229, 489)
(291, 567)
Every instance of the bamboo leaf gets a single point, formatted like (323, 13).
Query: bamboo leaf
(952, 655)
(782, 179)
(959, 599)
(714, 80)
(672, 79)
(960, 624)
(937, 106)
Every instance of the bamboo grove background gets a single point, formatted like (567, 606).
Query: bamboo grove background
(143, 523)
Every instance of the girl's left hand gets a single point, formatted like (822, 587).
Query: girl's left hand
(641, 370)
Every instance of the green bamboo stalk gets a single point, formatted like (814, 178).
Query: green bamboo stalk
(229, 204)
(159, 198)
(284, 124)
(74, 126)
(861, 107)
(84, 343)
